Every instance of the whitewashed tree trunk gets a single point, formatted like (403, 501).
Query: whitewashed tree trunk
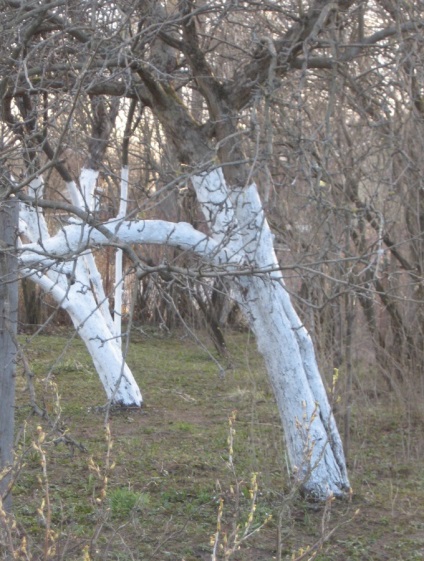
(313, 443)
(119, 277)
(77, 288)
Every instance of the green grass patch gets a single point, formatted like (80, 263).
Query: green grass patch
(123, 501)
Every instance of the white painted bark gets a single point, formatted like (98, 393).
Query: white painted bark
(115, 375)
(76, 286)
(119, 277)
(88, 183)
(119, 289)
(78, 238)
(72, 277)
(313, 443)
(86, 199)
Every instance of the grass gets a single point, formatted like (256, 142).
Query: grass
(123, 502)
(154, 487)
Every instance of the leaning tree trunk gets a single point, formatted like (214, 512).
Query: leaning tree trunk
(77, 288)
(238, 225)
(313, 442)
(8, 330)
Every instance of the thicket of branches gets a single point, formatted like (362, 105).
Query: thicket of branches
(323, 101)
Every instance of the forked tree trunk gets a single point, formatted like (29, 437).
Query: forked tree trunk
(8, 330)
(77, 288)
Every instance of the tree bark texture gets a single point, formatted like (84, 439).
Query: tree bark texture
(8, 331)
